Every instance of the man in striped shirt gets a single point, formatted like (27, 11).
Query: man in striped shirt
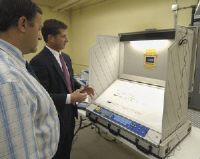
(29, 125)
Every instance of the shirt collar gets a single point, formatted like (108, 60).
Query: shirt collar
(12, 51)
(54, 52)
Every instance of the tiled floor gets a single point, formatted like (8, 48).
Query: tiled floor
(90, 145)
(194, 117)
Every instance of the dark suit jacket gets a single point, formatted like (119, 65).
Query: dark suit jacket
(51, 77)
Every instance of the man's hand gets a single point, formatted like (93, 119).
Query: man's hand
(88, 90)
(78, 95)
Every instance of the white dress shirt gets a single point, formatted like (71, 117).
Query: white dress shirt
(56, 54)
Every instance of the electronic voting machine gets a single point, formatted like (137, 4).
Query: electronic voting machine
(141, 81)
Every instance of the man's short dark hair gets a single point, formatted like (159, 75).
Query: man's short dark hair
(12, 10)
(51, 27)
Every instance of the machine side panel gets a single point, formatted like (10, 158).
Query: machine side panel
(104, 63)
(177, 83)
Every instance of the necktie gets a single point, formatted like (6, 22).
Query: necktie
(66, 74)
(30, 70)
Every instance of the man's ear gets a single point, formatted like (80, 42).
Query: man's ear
(50, 38)
(22, 24)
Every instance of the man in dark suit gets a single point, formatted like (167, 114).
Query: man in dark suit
(55, 73)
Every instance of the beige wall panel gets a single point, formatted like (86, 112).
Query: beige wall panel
(116, 16)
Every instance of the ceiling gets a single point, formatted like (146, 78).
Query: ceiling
(49, 3)
(64, 5)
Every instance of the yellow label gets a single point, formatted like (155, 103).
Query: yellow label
(150, 58)
(98, 109)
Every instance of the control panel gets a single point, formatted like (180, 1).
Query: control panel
(122, 121)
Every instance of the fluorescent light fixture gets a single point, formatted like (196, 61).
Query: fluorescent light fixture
(143, 45)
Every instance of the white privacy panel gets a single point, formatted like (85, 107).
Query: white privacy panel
(104, 63)
(177, 82)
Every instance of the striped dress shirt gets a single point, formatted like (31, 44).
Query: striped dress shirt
(29, 125)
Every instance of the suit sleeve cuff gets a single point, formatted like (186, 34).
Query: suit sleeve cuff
(68, 99)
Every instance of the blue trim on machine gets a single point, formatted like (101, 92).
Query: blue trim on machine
(132, 126)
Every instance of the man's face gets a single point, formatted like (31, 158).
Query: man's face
(60, 40)
(33, 34)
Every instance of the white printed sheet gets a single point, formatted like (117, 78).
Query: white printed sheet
(139, 102)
